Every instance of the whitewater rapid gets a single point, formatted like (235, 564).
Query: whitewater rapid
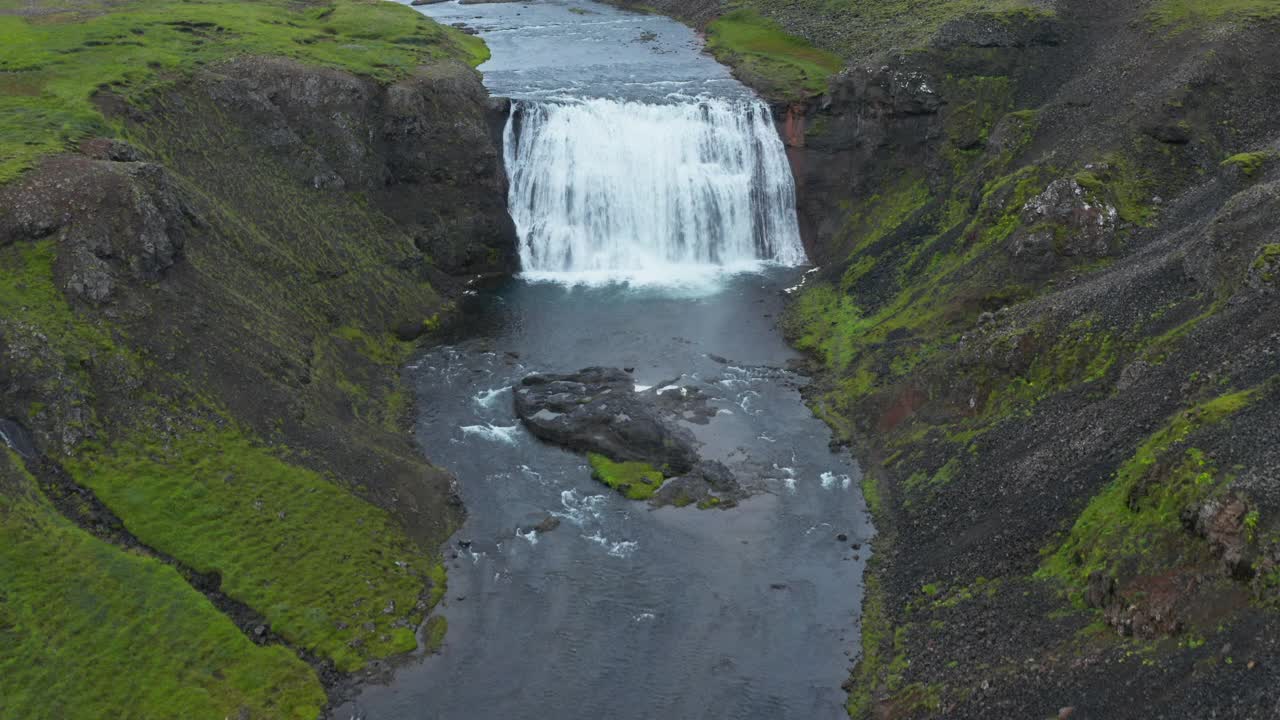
(603, 190)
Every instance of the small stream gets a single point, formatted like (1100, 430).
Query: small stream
(623, 611)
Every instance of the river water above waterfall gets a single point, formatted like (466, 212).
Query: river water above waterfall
(624, 611)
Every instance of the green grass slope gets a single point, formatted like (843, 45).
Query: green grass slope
(775, 62)
(327, 569)
(864, 29)
(240, 410)
(1186, 14)
(75, 612)
(54, 57)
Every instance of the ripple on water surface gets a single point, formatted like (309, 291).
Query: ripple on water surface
(623, 611)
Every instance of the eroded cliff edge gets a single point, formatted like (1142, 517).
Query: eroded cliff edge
(1046, 315)
(205, 301)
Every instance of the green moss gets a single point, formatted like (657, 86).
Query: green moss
(709, 503)
(1248, 163)
(874, 220)
(871, 493)
(865, 29)
(1267, 264)
(89, 631)
(434, 633)
(975, 105)
(1269, 255)
(439, 584)
(980, 587)
(876, 637)
(1089, 181)
(1157, 348)
(383, 349)
(1081, 354)
(636, 480)
(1125, 183)
(759, 46)
(918, 697)
(857, 270)
(51, 64)
(999, 211)
(322, 566)
(1186, 14)
(1138, 516)
(29, 296)
(61, 344)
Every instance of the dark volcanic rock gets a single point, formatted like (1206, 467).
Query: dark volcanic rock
(544, 523)
(128, 228)
(599, 410)
(681, 491)
(985, 30)
(706, 480)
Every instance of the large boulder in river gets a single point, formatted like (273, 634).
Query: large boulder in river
(708, 483)
(598, 410)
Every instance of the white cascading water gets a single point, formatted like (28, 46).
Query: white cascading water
(605, 190)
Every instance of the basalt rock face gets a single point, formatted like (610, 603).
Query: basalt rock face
(252, 255)
(1046, 316)
(420, 148)
(1082, 300)
(128, 225)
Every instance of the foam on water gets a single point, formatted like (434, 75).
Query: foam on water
(619, 549)
(494, 433)
(487, 398)
(577, 508)
(831, 480)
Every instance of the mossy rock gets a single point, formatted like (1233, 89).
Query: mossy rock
(636, 480)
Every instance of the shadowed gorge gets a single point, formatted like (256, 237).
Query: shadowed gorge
(363, 359)
(650, 504)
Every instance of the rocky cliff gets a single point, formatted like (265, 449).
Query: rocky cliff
(204, 304)
(1046, 317)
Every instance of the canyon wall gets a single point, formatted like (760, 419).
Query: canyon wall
(205, 305)
(1045, 318)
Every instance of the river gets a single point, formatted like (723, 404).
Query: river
(657, 234)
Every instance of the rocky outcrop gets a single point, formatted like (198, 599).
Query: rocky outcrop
(707, 483)
(247, 271)
(598, 410)
(1045, 315)
(421, 148)
(1062, 223)
(128, 225)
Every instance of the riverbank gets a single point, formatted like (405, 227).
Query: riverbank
(1044, 319)
(214, 257)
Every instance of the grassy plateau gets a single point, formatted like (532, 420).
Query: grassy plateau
(54, 57)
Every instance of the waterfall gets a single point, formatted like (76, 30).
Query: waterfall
(607, 189)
